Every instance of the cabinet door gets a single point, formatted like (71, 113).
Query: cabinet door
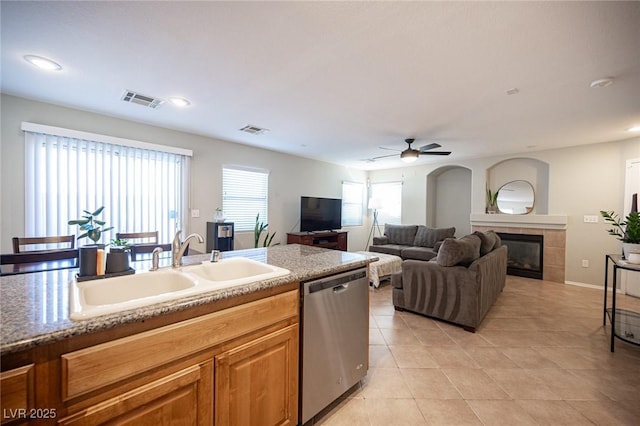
(181, 398)
(16, 393)
(257, 383)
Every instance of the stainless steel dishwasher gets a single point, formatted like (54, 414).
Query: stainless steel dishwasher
(335, 338)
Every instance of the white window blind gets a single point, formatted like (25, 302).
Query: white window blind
(244, 195)
(141, 189)
(390, 196)
(352, 200)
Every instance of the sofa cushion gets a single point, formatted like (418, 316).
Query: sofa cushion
(418, 253)
(400, 234)
(394, 249)
(428, 237)
(487, 241)
(462, 251)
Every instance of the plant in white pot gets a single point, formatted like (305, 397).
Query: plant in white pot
(627, 230)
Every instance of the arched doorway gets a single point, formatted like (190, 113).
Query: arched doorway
(449, 199)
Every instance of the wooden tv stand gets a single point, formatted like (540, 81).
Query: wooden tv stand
(326, 239)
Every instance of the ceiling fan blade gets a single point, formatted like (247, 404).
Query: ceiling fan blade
(429, 146)
(382, 156)
(389, 149)
(435, 153)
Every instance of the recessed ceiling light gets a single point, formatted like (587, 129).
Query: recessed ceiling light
(43, 63)
(601, 82)
(634, 129)
(180, 102)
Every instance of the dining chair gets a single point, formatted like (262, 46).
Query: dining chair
(141, 242)
(19, 242)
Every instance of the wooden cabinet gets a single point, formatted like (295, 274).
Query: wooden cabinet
(175, 399)
(235, 365)
(256, 383)
(16, 393)
(331, 240)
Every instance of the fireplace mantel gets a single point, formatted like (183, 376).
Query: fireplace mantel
(536, 221)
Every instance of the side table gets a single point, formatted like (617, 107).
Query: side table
(625, 324)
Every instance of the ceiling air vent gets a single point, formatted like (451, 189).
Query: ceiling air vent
(254, 130)
(144, 100)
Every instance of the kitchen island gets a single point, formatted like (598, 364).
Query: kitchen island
(111, 366)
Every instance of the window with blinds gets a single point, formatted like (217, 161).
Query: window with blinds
(352, 199)
(67, 171)
(390, 196)
(244, 196)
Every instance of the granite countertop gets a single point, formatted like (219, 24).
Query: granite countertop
(34, 308)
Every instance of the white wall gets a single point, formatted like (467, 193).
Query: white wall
(290, 176)
(582, 181)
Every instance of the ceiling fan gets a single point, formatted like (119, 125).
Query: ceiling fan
(410, 155)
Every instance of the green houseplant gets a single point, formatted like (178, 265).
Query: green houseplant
(118, 256)
(257, 232)
(627, 230)
(93, 229)
(492, 201)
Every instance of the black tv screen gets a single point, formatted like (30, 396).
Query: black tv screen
(320, 214)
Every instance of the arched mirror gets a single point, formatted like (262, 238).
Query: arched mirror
(516, 197)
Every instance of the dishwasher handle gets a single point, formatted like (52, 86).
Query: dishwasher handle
(335, 282)
(340, 288)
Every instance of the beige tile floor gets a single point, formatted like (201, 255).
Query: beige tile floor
(540, 357)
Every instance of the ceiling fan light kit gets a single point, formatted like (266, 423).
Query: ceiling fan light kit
(409, 155)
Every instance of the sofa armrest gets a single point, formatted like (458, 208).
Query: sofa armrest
(380, 241)
(396, 280)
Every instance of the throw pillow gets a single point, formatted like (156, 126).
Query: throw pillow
(488, 241)
(497, 237)
(462, 251)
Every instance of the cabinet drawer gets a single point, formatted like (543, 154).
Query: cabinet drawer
(16, 388)
(89, 369)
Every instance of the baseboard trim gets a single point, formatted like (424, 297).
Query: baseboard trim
(595, 287)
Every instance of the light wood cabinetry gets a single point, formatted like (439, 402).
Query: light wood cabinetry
(232, 364)
(256, 383)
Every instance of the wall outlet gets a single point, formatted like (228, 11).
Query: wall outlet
(590, 218)
(585, 263)
(195, 213)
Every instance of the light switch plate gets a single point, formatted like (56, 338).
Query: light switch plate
(590, 218)
(195, 213)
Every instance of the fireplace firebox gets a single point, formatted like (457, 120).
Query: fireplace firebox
(526, 253)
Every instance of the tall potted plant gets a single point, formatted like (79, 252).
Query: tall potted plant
(93, 229)
(627, 230)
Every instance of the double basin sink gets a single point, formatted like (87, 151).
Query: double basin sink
(100, 297)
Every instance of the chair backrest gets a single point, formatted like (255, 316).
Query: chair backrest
(25, 241)
(146, 237)
(141, 242)
(38, 256)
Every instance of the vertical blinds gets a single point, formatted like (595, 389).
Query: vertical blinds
(245, 195)
(352, 200)
(141, 189)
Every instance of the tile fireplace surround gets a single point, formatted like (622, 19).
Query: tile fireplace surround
(552, 227)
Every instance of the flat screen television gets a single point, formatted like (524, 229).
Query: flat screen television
(320, 214)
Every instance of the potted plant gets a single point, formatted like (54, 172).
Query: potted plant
(118, 256)
(219, 215)
(257, 232)
(93, 229)
(627, 230)
(492, 201)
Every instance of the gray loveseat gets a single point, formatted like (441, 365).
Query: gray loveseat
(410, 241)
(460, 285)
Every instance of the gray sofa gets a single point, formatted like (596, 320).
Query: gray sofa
(410, 241)
(460, 285)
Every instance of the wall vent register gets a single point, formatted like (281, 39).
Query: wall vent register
(144, 100)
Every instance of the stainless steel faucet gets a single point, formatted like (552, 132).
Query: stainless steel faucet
(155, 258)
(177, 248)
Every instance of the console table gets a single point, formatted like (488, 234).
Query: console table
(327, 239)
(625, 324)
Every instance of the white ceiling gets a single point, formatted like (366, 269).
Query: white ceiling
(335, 81)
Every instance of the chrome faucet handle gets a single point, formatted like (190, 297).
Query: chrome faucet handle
(155, 258)
(215, 255)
